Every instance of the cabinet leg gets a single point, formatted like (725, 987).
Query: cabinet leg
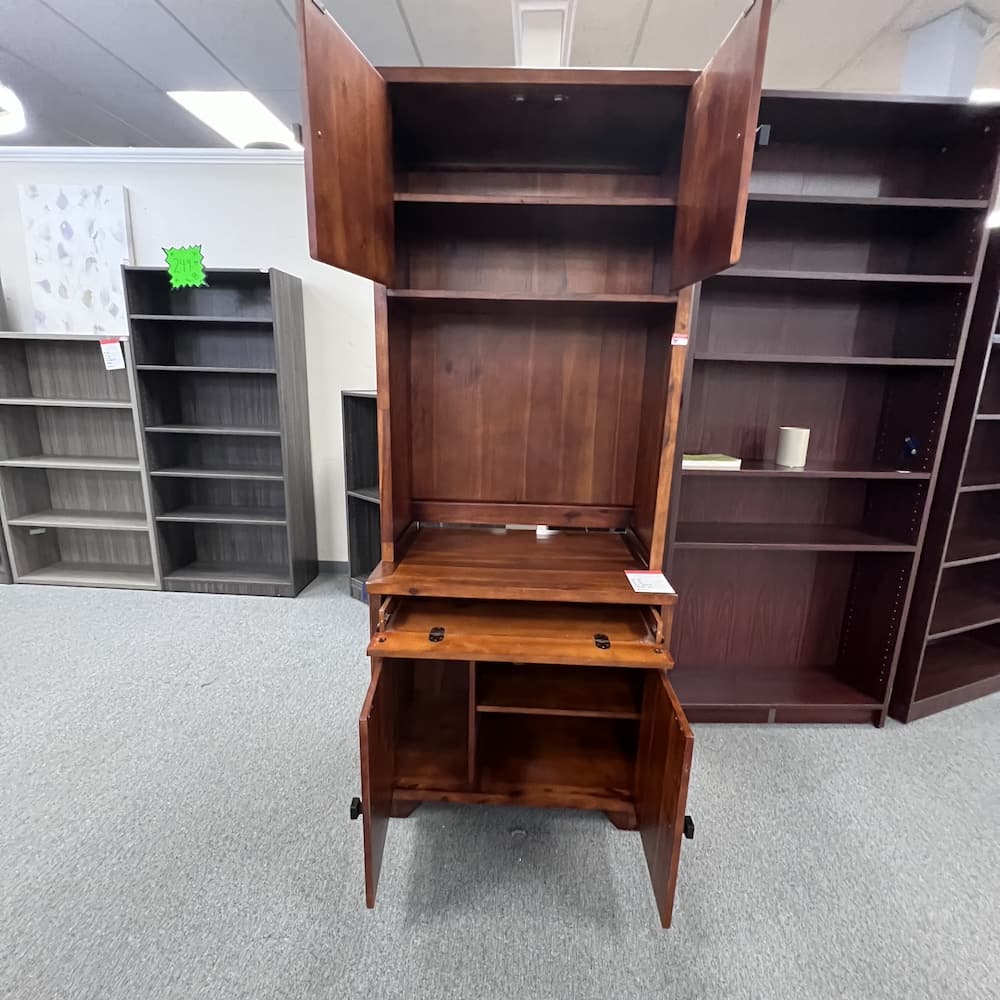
(400, 810)
(622, 820)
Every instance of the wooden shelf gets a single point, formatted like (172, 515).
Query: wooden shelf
(92, 463)
(874, 201)
(768, 687)
(416, 295)
(72, 574)
(90, 404)
(777, 274)
(572, 566)
(962, 608)
(72, 338)
(229, 572)
(228, 320)
(219, 429)
(805, 359)
(205, 370)
(988, 416)
(815, 470)
(957, 670)
(223, 515)
(965, 549)
(196, 472)
(801, 537)
(98, 520)
(538, 755)
(584, 201)
(369, 493)
(602, 693)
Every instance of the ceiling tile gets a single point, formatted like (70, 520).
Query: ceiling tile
(144, 36)
(286, 104)
(60, 107)
(604, 33)
(811, 42)
(989, 64)
(683, 34)
(255, 41)
(462, 32)
(878, 68)
(377, 28)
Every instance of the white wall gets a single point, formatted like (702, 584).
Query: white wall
(247, 210)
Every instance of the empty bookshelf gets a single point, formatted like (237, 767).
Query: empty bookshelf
(360, 421)
(76, 507)
(224, 408)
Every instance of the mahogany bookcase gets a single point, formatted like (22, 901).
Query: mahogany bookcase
(951, 647)
(533, 236)
(848, 314)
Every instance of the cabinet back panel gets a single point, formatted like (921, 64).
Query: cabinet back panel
(228, 293)
(203, 451)
(527, 407)
(211, 345)
(28, 491)
(80, 545)
(874, 148)
(859, 240)
(212, 400)
(818, 319)
(553, 126)
(750, 608)
(171, 494)
(554, 250)
(983, 462)
(989, 401)
(58, 369)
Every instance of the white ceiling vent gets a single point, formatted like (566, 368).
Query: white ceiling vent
(543, 32)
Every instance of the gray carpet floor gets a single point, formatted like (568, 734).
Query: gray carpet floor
(176, 771)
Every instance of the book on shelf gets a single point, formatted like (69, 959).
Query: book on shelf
(710, 462)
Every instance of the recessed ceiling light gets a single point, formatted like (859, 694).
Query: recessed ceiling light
(236, 115)
(985, 95)
(12, 118)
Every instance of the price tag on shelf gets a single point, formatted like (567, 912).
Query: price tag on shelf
(111, 350)
(647, 581)
(678, 340)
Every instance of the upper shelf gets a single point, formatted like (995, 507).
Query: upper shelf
(573, 566)
(582, 200)
(815, 470)
(778, 274)
(870, 201)
(826, 359)
(801, 537)
(526, 298)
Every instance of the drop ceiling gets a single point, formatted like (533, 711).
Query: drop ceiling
(95, 72)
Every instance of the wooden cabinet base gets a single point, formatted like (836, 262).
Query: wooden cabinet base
(609, 739)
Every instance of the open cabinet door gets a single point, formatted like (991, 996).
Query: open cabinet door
(348, 139)
(663, 769)
(378, 740)
(718, 152)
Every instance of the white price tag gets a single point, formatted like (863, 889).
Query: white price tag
(114, 360)
(647, 581)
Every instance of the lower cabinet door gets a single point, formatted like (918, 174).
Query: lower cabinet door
(377, 727)
(662, 773)
(610, 739)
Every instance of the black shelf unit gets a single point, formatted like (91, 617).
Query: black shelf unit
(361, 480)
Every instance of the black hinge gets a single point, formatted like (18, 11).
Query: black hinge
(601, 641)
(436, 634)
(689, 828)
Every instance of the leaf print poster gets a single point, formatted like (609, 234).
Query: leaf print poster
(77, 237)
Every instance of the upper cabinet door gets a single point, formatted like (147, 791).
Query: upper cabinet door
(718, 152)
(348, 139)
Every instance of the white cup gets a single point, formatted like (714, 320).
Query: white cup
(793, 444)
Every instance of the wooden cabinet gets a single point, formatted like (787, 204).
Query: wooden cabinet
(534, 236)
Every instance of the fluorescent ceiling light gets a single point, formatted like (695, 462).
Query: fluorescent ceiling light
(12, 118)
(543, 31)
(993, 219)
(236, 115)
(985, 95)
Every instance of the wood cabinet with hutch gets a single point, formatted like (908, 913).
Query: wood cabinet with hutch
(533, 236)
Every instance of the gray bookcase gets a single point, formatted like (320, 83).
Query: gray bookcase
(360, 411)
(74, 501)
(224, 409)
